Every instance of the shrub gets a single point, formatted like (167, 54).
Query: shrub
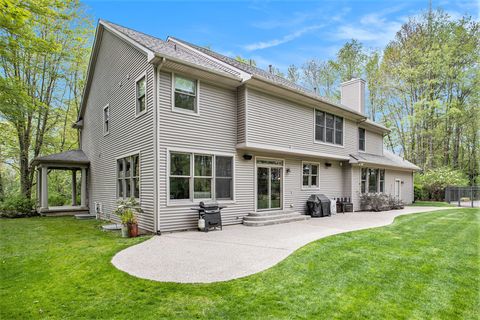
(127, 210)
(379, 202)
(17, 207)
(58, 199)
(432, 183)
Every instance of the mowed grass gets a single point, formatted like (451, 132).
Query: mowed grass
(424, 266)
(431, 204)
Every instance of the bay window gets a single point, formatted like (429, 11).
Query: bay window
(128, 177)
(310, 175)
(195, 176)
(328, 128)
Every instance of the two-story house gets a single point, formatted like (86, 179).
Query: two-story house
(171, 124)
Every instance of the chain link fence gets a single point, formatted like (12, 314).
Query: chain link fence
(463, 196)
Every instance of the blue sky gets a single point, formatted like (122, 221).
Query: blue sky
(273, 32)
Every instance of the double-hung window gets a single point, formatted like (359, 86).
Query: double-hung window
(361, 139)
(202, 181)
(328, 128)
(310, 175)
(195, 176)
(106, 119)
(128, 177)
(364, 180)
(180, 175)
(140, 92)
(185, 93)
(381, 179)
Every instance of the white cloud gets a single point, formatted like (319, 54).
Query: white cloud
(374, 29)
(287, 38)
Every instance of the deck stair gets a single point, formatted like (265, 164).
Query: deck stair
(266, 218)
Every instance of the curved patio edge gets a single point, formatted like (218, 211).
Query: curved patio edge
(238, 251)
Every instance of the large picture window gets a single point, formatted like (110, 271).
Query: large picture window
(128, 177)
(310, 175)
(185, 93)
(196, 176)
(328, 128)
(372, 180)
(140, 89)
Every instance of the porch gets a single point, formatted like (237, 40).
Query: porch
(74, 161)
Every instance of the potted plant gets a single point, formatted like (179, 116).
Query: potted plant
(127, 210)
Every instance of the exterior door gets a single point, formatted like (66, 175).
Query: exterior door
(269, 184)
(397, 188)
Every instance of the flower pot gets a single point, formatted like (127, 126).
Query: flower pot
(124, 231)
(133, 230)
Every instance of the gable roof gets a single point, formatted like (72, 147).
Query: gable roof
(388, 159)
(183, 52)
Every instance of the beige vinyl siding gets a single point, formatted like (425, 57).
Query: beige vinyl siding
(406, 188)
(281, 123)
(213, 130)
(241, 114)
(373, 142)
(117, 66)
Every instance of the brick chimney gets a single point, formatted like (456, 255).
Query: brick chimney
(352, 94)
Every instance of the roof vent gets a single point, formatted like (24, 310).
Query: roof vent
(270, 69)
(175, 46)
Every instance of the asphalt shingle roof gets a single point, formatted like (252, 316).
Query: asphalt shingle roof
(71, 156)
(171, 49)
(388, 159)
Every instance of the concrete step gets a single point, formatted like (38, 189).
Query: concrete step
(85, 216)
(299, 217)
(278, 216)
(269, 213)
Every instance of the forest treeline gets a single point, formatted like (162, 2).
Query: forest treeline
(423, 86)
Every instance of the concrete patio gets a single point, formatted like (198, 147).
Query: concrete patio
(238, 251)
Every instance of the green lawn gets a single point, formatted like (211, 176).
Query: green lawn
(424, 266)
(431, 204)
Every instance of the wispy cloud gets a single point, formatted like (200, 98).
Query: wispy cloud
(287, 38)
(375, 29)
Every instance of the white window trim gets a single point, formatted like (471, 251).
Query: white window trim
(328, 143)
(255, 196)
(358, 140)
(367, 181)
(317, 187)
(193, 152)
(139, 175)
(137, 113)
(106, 132)
(195, 112)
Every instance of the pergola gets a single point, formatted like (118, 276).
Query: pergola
(74, 160)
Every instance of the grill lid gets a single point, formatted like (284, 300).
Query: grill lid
(212, 205)
(318, 198)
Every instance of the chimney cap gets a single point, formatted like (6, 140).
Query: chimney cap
(353, 80)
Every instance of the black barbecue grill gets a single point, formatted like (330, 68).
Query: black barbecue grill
(318, 205)
(211, 213)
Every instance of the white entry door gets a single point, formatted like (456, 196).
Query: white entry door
(397, 191)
